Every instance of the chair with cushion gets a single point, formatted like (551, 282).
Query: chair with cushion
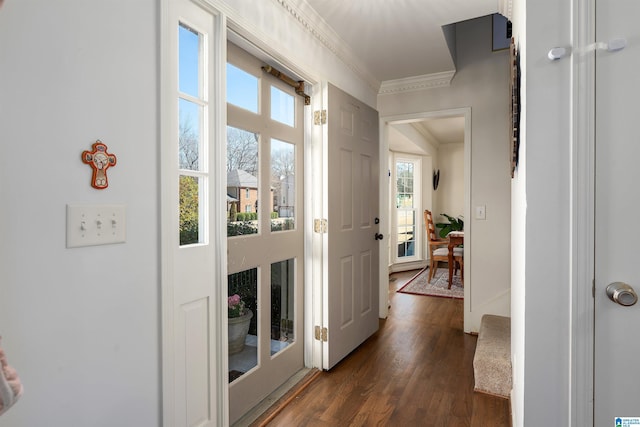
(438, 248)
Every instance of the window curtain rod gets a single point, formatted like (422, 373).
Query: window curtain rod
(297, 85)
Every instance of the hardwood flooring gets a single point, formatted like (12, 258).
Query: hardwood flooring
(415, 371)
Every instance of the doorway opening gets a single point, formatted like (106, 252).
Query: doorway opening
(441, 140)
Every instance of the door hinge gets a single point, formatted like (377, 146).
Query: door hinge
(320, 117)
(320, 226)
(593, 289)
(321, 334)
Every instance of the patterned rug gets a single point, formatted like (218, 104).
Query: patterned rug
(438, 286)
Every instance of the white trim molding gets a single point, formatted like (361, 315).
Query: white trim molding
(582, 214)
(416, 83)
(315, 25)
(505, 7)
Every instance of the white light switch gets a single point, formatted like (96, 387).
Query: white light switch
(481, 212)
(90, 225)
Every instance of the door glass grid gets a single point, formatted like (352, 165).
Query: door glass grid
(405, 212)
(269, 239)
(192, 130)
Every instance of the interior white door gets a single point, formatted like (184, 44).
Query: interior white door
(352, 292)
(617, 372)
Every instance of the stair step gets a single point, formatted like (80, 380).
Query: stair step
(492, 359)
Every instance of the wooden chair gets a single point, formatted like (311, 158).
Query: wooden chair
(458, 253)
(438, 248)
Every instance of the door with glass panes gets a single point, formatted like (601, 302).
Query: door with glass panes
(264, 231)
(407, 174)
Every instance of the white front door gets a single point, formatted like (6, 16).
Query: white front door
(351, 295)
(617, 235)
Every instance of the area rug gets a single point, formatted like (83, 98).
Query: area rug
(438, 286)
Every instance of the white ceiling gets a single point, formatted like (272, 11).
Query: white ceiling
(449, 130)
(397, 39)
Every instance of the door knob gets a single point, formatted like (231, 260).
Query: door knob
(622, 294)
(379, 236)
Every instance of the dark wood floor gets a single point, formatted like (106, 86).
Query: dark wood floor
(415, 371)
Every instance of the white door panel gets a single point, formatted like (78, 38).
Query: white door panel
(351, 293)
(190, 395)
(617, 372)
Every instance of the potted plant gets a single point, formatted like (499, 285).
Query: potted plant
(454, 224)
(239, 318)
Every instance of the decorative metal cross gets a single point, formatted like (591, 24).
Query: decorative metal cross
(100, 161)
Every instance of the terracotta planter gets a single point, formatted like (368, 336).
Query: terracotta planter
(238, 329)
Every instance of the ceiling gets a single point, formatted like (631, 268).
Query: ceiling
(401, 39)
(449, 130)
(397, 39)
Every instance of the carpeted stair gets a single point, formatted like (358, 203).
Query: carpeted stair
(492, 359)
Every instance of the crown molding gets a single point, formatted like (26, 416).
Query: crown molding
(413, 84)
(315, 25)
(506, 9)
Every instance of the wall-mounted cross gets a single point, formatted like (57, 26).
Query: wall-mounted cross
(100, 161)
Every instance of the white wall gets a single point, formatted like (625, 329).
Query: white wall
(482, 83)
(541, 220)
(81, 326)
(450, 192)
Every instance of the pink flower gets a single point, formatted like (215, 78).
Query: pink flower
(234, 300)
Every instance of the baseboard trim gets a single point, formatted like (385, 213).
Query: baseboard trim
(406, 266)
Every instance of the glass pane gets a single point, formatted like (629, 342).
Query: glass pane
(189, 210)
(282, 305)
(190, 135)
(404, 200)
(401, 250)
(242, 182)
(188, 60)
(243, 322)
(283, 185)
(282, 107)
(404, 184)
(411, 218)
(242, 88)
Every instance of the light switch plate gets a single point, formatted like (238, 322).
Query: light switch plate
(481, 212)
(90, 225)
